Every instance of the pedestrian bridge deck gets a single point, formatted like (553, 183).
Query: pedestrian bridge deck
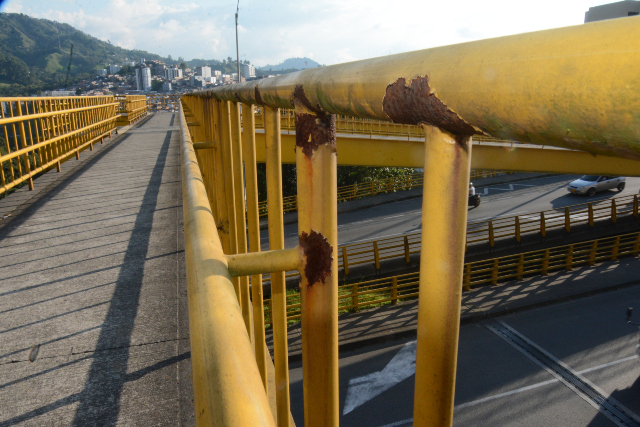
(93, 315)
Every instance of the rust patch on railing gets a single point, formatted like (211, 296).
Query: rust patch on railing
(314, 126)
(259, 99)
(317, 255)
(416, 104)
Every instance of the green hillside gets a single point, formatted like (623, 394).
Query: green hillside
(34, 54)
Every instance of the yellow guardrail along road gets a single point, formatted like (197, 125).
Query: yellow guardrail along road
(562, 88)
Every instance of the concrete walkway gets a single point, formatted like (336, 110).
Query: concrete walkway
(93, 319)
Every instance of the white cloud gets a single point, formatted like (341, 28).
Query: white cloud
(332, 31)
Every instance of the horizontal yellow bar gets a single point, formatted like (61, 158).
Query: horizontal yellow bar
(263, 262)
(387, 152)
(204, 145)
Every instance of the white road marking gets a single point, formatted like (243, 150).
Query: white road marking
(486, 191)
(521, 389)
(365, 388)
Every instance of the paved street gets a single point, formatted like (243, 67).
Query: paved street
(517, 198)
(497, 383)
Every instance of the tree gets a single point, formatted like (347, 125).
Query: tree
(183, 65)
(127, 70)
(78, 92)
(156, 85)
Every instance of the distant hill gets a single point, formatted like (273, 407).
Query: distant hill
(34, 54)
(292, 64)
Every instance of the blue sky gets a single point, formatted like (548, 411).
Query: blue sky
(330, 32)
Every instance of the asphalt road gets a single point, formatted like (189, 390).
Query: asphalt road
(500, 384)
(498, 200)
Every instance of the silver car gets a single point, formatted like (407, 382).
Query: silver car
(591, 184)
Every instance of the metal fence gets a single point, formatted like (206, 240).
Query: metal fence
(131, 108)
(391, 290)
(506, 87)
(41, 133)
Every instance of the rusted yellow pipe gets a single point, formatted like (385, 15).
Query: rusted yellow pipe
(316, 168)
(444, 220)
(570, 87)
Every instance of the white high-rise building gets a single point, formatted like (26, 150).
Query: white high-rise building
(173, 73)
(203, 71)
(143, 79)
(248, 70)
(217, 73)
(114, 68)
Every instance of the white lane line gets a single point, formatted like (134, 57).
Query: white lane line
(511, 187)
(377, 238)
(364, 388)
(486, 191)
(521, 389)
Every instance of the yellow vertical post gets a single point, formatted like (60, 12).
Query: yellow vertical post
(227, 154)
(220, 177)
(241, 220)
(545, 262)
(569, 261)
(614, 211)
(273, 154)
(467, 278)
(520, 268)
(444, 220)
(615, 249)
(590, 208)
(635, 206)
(517, 229)
(567, 220)
(494, 271)
(394, 290)
(253, 217)
(354, 297)
(376, 255)
(593, 253)
(317, 179)
(543, 225)
(345, 261)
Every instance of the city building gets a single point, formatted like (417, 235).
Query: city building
(217, 73)
(619, 9)
(159, 70)
(114, 68)
(131, 64)
(248, 70)
(173, 73)
(143, 79)
(166, 87)
(203, 71)
(102, 72)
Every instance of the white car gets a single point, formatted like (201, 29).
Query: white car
(591, 184)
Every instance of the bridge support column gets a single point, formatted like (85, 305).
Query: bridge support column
(316, 166)
(444, 217)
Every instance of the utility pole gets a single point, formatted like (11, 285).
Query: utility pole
(237, 48)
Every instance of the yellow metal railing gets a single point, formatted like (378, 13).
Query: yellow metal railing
(40, 133)
(375, 251)
(512, 88)
(159, 102)
(391, 290)
(131, 109)
(371, 188)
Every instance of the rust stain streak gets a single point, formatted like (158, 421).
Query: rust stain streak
(317, 254)
(415, 104)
